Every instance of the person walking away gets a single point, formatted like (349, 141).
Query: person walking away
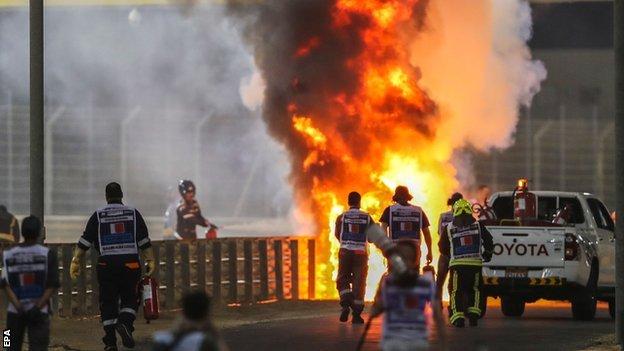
(408, 302)
(194, 331)
(118, 232)
(403, 220)
(443, 261)
(350, 230)
(9, 226)
(29, 278)
(468, 244)
(188, 213)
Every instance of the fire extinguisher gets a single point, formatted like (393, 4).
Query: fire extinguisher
(211, 233)
(525, 202)
(148, 287)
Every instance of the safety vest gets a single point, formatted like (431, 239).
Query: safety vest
(406, 316)
(405, 222)
(26, 271)
(465, 245)
(445, 219)
(117, 230)
(353, 230)
(192, 341)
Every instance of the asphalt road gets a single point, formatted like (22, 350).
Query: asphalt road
(543, 327)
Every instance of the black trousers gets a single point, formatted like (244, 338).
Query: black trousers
(443, 268)
(351, 280)
(38, 332)
(465, 285)
(119, 297)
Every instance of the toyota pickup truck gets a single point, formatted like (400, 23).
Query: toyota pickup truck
(538, 259)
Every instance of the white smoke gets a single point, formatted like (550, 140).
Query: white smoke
(477, 66)
(176, 69)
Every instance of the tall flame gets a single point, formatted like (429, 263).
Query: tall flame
(345, 95)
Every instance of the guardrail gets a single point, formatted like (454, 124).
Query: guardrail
(233, 271)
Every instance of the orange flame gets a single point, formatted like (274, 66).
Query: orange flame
(374, 138)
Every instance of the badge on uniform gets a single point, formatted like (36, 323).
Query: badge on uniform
(117, 228)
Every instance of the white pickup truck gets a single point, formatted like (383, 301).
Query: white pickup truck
(573, 262)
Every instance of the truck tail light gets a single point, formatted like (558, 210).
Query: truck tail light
(571, 247)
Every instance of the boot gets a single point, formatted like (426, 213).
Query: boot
(344, 314)
(126, 335)
(460, 323)
(473, 320)
(357, 319)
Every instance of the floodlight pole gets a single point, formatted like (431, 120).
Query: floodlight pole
(36, 109)
(618, 38)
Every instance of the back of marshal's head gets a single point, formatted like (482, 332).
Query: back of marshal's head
(113, 191)
(31, 227)
(196, 305)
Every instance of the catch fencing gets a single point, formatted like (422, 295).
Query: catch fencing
(233, 271)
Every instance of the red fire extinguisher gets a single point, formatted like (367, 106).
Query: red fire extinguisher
(148, 287)
(211, 233)
(525, 202)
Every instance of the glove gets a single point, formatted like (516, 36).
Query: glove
(487, 256)
(147, 256)
(429, 258)
(74, 268)
(34, 315)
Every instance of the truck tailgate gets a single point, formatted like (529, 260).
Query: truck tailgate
(527, 247)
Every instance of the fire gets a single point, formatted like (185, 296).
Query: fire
(369, 94)
(373, 138)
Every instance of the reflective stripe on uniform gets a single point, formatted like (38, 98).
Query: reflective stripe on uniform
(84, 242)
(455, 316)
(475, 308)
(109, 322)
(454, 293)
(358, 302)
(344, 292)
(128, 310)
(143, 242)
(465, 262)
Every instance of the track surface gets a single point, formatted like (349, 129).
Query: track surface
(543, 327)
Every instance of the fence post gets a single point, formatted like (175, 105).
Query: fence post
(156, 276)
(294, 267)
(170, 278)
(55, 296)
(216, 271)
(233, 271)
(95, 287)
(311, 268)
(81, 288)
(201, 265)
(66, 280)
(279, 273)
(185, 269)
(263, 266)
(248, 254)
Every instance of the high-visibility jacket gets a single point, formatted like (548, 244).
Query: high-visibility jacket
(465, 244)
(353, 224)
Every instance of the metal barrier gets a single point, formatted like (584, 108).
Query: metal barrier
(233, 271)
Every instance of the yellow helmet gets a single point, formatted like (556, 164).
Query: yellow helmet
(462, 207)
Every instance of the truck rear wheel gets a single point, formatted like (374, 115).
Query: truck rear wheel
(512, 306)
(584, 302)
(584, 306)
(612, 308)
